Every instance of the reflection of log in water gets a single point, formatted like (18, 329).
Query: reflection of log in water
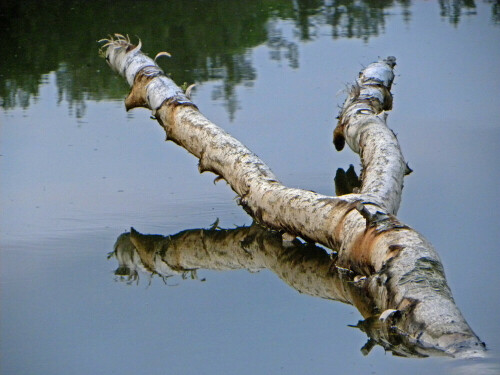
(307, 268)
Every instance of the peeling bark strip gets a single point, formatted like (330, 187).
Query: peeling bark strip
(405, 271)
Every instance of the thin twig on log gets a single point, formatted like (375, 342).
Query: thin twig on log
(404, 271)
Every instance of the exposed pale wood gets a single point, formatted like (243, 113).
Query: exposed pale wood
(403, 271)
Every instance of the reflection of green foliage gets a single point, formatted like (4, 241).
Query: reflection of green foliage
(495, 11)
(454, 9)
(208, 40)
(347, 18)
(360, 19)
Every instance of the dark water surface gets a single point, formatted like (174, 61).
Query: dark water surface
(77, 171)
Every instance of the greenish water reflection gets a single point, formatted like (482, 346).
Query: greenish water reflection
(209, 40)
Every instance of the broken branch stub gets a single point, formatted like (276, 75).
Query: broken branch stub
(405, 271)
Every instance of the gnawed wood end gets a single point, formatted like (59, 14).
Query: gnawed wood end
(150, 87)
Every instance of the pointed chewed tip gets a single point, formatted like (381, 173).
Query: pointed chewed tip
(120, 36)
(217, 179)
(189, 89)
(159, 54)
(408, 170)
(131, 47)
(106, 42)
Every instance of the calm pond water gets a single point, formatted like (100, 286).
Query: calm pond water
(77, 171)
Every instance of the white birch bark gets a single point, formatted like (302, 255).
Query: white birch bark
(403, 271)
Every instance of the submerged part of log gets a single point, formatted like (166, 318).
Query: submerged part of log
(404, 270)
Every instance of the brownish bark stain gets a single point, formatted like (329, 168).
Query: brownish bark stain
(347, 207)
(394, 250)
(145, 246)
(137, 96)
(361, 252)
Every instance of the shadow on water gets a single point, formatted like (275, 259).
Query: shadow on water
(305, 267)
(213, 46)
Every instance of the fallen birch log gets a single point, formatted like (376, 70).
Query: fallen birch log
(401, 268)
